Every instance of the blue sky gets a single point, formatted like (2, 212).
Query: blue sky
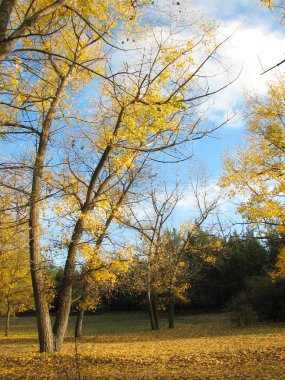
(256, 44)
(257, 41)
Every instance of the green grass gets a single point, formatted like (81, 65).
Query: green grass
(121, 346)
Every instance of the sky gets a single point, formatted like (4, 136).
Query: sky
(256, 44)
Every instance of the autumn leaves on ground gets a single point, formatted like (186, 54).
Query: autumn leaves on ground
(120, 346)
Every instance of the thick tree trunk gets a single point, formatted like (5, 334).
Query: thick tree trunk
(171, 310)
(78, 325)
(7, 321)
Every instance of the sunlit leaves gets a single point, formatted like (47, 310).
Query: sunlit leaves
(257, 171)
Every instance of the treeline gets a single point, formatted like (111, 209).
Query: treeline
(236, 274)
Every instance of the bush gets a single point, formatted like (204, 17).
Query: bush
(266, 297)
(240, 311)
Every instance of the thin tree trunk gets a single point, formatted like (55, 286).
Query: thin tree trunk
(150, 310)
(36, 263)
(155, 313)
(78, 325)
(61, 320)
(7, 321)
(171, 310)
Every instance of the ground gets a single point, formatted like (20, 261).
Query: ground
(121, 346)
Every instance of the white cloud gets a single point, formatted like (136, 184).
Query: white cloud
(248, 51)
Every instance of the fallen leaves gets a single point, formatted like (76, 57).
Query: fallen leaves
(194, 350)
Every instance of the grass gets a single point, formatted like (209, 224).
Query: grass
(121, 346)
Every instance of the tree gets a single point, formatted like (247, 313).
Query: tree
(279, 271)
(152, 249)
(97, 279)
(50, 65)
(101, 267)
(167, 256)
(150, 106)
(22, 21)
(235, 259)
(256, 172)
(15, 285)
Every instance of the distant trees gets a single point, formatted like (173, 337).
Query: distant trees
(236, 259)
(257, 172)
(167, 257)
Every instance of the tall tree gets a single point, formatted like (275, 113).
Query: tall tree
(146, 108)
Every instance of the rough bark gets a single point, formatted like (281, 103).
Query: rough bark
(7, 321)
(42, 309)
(79, 323)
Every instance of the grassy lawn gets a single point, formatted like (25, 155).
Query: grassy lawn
(121, 346)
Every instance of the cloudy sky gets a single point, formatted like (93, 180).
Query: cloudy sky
(256, 44)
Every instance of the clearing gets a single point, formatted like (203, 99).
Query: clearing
(121, 346)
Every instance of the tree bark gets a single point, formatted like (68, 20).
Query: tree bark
(7, 44)
(7, 321)
(155, 313)
(78, 325)
(171, 310)
(6, 8)
(42, 309)
(150, 310)
(61, 320)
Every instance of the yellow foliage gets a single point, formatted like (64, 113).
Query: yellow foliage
(15, 281)
(279, 271)
(256, 172)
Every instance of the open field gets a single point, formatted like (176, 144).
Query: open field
(120, 346)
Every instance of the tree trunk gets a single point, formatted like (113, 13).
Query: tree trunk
(155, 313)
(41, 304)
(171, 310)
(7, 321)
(78, 325)
(61, 320)
(150, 309)
(6, 8)
(65, 295)
(7, 45)
(36, 262)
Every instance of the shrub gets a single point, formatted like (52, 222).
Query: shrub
(267, 297)
(240, 311)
